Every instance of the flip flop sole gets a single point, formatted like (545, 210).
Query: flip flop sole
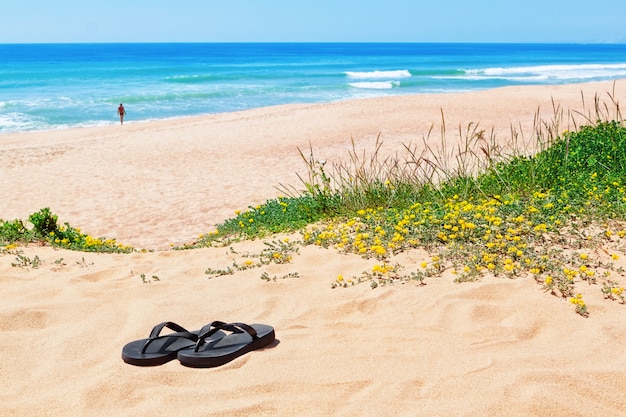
(228, 348)
(160, 352)
(157, 349)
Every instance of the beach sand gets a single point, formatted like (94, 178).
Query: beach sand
(496, 347)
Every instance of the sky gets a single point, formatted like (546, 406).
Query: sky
(84, 21)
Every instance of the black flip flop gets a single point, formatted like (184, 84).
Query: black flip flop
(209, 352)
(157, 349)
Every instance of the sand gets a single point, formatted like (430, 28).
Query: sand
(489, 348)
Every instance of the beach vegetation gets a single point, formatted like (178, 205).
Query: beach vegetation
(275, 252)
(84, 263)
(147, 280)
(551, 209)
(13, 232)
(554, 211)
(266, 277)
(25, 262)
(45, 230)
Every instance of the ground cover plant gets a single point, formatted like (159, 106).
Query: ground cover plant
(45, 229)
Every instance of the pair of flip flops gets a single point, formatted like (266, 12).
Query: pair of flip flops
(215, 344)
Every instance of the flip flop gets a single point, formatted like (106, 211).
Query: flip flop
(157, 349)
(209, 352)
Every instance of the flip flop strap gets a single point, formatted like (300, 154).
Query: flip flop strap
(180, 332)
(156, 330)
(216, 326)
(208, 327)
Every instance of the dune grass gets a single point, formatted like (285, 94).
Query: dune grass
(554, 211)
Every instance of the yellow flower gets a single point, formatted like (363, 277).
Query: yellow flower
(578, 301)
(583, 256)
(615, 257)
(378, 249)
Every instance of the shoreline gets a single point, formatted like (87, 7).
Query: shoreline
(174, 119)
(152, 184)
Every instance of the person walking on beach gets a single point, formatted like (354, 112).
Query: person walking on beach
(121, 112)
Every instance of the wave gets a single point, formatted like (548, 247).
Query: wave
(191, 79)
(548, 72)
(379, 74)
(376, 85)
(15, 122)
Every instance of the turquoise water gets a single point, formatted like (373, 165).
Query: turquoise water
(51, 86)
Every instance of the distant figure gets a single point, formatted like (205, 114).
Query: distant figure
(121, 112)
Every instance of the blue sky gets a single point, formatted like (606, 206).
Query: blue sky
(583, 21)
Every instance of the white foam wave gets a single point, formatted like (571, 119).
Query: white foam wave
(15, 122)
(379, 74)
(193, 78)
(376, 85)
(549, 72)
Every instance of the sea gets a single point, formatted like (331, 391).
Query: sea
(58, 86)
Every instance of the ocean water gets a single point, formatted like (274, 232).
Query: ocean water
(53, 86)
